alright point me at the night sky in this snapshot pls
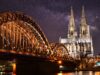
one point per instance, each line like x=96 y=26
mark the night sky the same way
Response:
x=53 y=15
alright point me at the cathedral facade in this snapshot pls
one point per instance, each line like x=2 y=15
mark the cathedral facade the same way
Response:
x=79 y=43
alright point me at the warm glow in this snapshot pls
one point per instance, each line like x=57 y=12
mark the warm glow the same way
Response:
x=64 y=73
x=59 y=74
x=63 y=40
x=59 y=62
x=61 y=66
x=97 y=73
x=14 y=67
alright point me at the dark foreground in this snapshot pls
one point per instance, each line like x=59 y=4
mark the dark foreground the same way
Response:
x=28 y=65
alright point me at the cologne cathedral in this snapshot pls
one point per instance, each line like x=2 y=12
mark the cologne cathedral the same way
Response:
x=79 y=43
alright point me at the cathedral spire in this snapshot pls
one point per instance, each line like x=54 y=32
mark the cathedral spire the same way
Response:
x=84 y=28
x=83 y=19
x=71 y=26
x=71 y=21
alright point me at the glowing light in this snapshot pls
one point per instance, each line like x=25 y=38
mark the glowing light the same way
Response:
x=65 y=73
x=61 y=66
x=59 y=62
x=98 y=63
x=63 y=40
x=97 y=73
x=60 y=73
x=14 y=68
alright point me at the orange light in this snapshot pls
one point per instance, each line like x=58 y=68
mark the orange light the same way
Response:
x=59 y=62
x=60 y=74
x=97 y=73
x=14 y=68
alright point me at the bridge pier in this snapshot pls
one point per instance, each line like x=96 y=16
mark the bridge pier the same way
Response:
x=29 y=65
x=37 y=66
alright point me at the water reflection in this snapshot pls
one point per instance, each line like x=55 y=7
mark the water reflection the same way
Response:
x=97 y=73
x=80 y=73
x=65 y=74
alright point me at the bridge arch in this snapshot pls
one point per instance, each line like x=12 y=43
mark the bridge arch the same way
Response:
x=19 y=33
x=59 y=50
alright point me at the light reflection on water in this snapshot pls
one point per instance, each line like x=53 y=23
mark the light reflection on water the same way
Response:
x=80 y=73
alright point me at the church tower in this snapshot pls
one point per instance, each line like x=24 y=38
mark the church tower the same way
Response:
x=78 y=45
x=84 y=28
x=86 y=46
x=71 y=26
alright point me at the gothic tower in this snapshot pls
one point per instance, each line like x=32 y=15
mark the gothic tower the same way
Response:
x=81 y=44
x=84 y=28
x=86 y=46
x=71 y=27
x=72 y=34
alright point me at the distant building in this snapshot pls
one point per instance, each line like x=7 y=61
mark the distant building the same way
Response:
x=78 y=44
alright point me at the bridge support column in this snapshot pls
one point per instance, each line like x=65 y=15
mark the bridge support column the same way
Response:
x=35 y=67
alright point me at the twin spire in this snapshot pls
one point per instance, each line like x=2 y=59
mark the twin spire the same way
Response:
x=83 y=19
x=72 y=22
x=71 y=26
x=84 y=28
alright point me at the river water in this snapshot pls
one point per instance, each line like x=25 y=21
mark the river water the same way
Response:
x=80 y=73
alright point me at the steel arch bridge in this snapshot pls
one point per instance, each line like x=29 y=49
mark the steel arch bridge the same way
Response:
x=20 y=34
x=60 y=52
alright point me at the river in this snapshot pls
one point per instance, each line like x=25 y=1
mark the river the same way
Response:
x=80 y=73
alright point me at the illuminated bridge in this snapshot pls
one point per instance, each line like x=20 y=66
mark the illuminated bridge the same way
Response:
x=20 y=35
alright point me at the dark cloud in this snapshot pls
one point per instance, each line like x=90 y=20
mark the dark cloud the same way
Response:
x=52 y=23
x=52 y=15
x=95 y=31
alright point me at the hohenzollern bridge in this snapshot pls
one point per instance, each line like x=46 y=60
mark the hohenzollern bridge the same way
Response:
x=21 y=35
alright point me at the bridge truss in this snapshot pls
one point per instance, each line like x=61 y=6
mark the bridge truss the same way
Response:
x=19 y=34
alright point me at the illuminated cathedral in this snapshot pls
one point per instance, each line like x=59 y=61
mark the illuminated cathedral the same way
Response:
x=79 y=43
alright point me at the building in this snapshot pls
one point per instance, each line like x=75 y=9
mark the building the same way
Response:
x=79 y=43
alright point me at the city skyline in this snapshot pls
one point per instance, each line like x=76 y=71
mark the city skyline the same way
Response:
x=53 y=15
